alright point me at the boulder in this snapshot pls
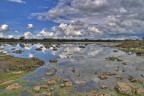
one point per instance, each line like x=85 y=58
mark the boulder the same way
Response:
x=139 y=91
x=37 y=88
x=123 y=88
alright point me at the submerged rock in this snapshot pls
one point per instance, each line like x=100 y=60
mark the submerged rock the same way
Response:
x=39 y=49
x=14 y=86
x=123 y=88
x=53 y=60
x=106 y=75
x=132 y=79
x=18 y=51
x=113 y=59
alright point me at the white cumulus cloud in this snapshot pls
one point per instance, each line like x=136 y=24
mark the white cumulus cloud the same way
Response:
x=30 y=26
x=17 y=1
x=4 y=28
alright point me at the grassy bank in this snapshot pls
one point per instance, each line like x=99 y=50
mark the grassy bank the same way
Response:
x=132 y=46
x=12 y=68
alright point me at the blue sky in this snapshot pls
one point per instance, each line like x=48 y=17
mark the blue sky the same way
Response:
x=92 y=19
x=17 y=15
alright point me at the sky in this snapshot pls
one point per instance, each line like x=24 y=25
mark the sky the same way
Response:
x=72 y=19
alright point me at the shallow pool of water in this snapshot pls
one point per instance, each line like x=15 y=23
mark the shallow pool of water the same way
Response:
x=79 y=63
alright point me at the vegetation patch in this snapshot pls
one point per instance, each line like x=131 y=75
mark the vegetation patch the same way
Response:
x=132 y=46
x=12 y=67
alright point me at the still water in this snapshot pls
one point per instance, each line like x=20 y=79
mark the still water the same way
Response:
x=79 y=63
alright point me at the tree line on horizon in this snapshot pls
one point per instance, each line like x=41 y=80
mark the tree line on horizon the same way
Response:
x=23 y=39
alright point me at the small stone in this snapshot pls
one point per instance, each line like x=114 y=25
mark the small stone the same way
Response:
x=68 y=84
x=102 y=94
x=104 y=87
x=90 y=94
x=73 y=70
x=103 y=77
x=124 y=63
x=14 y=86
x=119 y=77
x=123 y=88
x=132 y=79
x=65 y=80
x=46 y=94
x=44 y=87
x=51 y=82
x=80 y=82
x=50 y=73
x=62 y=85
x=53 y=60
x=51 y=89
x=139 y=91
x=115 y=51
x=117 y=68
x=37 y=88
x=57 y=79
x=19 y=72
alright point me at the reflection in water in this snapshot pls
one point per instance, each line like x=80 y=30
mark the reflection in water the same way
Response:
x=80 y=63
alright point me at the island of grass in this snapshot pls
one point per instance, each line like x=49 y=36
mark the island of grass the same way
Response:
x=12 y=68
x=135 y=46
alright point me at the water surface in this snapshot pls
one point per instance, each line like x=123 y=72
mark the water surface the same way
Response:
x=79 y=63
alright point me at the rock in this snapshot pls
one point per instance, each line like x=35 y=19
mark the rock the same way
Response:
x=53 y=60
x=18 y=51
x=51 y=82
x=116 y=68
x=119 y=77
x=139 y=53
x=62 y=85
x=80 y=82
x=73 y=70
x=104 y=87
x=123 y=88
x=68 y=84
x=44 y=86
x=51 y=89
x=139 y=91
x=50 y=73
x=103 y=77
x=102 y=94
x=106 y=75
x=37 y=88
x=65 y=80
x=124 y=63
x=81 y=46
x=39 y=49
x=14 y=86
x=113 y=59
x=57 y=79
x=115 y=51
x=7 y=82
x=131 y=78
x=90 y=94
x=19 y=72
x=46 y=94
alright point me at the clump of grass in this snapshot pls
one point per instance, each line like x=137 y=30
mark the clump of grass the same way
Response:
x=10 y=66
